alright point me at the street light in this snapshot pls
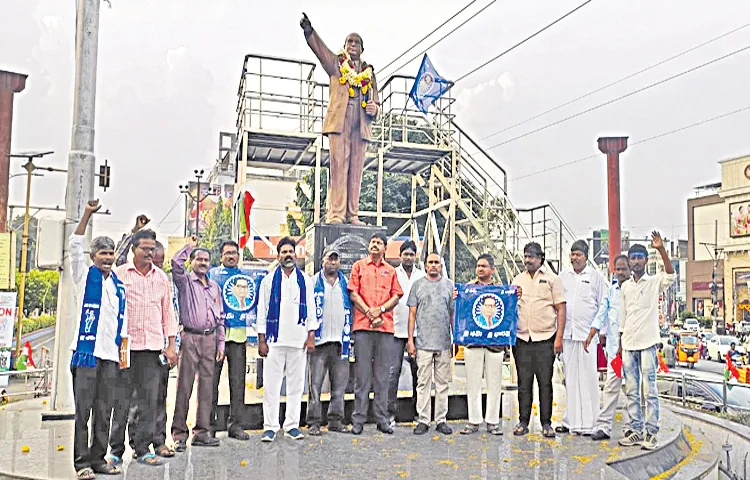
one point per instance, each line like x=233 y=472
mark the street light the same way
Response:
x=29 y=167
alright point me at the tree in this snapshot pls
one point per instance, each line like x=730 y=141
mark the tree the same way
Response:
x=218 y=229
x=40 y=290
x=17 y=226
x=294 y=230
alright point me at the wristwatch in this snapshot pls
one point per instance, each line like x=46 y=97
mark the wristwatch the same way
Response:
x=382 y=309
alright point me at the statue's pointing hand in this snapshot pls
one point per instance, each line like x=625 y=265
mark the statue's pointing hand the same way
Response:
x=305 y=24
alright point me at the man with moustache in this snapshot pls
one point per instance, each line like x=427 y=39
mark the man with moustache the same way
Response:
x=286 y=326
x=607 y=326
x=202 y=345
x=431 y=307
x=585 y=290
x=151 y=325
x=235 y=347
x=375 y=291
x=407 y=274
x=97 y=354
x=333 y=310
x=541 y=324
x=640 y=334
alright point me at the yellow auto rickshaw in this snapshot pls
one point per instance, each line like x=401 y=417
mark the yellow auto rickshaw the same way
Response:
x=688 y=349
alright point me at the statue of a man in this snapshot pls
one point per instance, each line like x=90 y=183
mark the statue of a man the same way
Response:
x=352 y=107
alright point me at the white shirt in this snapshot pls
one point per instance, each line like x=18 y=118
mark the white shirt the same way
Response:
x=584 y=293
x=639 y=322
x=333 y=312
x=106 y=330
x=401 y=312
x=290 y=333
x=607 y=319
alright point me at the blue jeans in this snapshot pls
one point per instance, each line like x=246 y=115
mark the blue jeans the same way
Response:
x=637 y=363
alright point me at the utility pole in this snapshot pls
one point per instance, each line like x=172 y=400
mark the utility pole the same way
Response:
x=185 y=190
x=29 y=167
x=79 y=190
x=198 y=176
x=714 y=283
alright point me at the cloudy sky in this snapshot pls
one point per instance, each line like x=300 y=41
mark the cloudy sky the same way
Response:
x=169 y=70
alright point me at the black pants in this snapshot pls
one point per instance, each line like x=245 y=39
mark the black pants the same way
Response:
x=160 y=428
x=373 y=352
x=235 y=355
x=142 y=381
x=93 y=395
x=124 y=399
x=326 y=358
x=535 y=359
x=399 y=347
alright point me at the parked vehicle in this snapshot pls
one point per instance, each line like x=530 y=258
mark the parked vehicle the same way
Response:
x=691 y=325
x=719 y=346
x=708 y=395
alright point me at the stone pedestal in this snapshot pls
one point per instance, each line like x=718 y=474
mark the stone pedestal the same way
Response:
x=350 y=240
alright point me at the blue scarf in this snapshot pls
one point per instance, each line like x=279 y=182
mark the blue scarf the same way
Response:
x=320 y=294
x=274 y=304
x=89 y=323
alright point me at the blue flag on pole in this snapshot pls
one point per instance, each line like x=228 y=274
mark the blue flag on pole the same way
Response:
x=486 y=315
x=428 y=86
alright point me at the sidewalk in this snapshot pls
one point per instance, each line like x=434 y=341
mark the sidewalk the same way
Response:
x=371 y=455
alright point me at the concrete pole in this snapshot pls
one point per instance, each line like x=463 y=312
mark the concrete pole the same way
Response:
x=612 y=147
x=79 y=190
x=10 y=84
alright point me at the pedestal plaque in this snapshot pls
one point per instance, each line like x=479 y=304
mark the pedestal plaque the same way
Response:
x=350 y=240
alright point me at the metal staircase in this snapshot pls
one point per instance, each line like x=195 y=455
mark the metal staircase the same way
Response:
x=279 y=123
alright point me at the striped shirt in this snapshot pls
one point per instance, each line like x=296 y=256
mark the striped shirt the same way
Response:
x=151 y=316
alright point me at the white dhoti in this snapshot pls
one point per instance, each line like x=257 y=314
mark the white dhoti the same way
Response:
x=279 y=359
x=581 y=387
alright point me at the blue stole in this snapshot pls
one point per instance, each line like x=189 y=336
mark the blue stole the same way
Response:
x=274 y=304
x=89 y=323
x=320 y=294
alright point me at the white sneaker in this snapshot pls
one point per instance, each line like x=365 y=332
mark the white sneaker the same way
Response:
x=649 y=442
x=631 y=439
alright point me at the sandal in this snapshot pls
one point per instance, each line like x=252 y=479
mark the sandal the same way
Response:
x=107 y=469
x=86 y=474
x=164 y=451
x=494 y=429
x=114 y=460
x=548 y=432
x=148 y=459
x=520 y=429
x=469 y=429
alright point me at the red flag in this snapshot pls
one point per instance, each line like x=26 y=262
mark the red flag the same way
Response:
x=246 y=205
x=617 y=366
x=662 y=364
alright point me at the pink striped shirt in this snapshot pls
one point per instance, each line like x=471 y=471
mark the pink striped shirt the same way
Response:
x=151 y=316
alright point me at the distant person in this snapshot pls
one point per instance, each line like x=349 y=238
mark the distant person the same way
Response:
x=670 y=355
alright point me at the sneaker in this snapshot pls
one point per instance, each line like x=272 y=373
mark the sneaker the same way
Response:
x=392 y=421
x=631 y=438
x=268 y=436
x=421 y=429
x=443 y=428
x=649 y=442
x=599 y=435
x=294 y=434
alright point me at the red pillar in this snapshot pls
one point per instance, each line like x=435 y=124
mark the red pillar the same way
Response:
x=10 y=84
x=613 y=146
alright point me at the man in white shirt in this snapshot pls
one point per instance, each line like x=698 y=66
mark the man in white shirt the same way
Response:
x=97 y=345
x=286 y=325
x=333 y=313
x=640 y=334
x=607 y=326
x=585 y=290
x=407 y=274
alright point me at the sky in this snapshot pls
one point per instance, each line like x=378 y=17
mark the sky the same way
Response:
x=168 y=74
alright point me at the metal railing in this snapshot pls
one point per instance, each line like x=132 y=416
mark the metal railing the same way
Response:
x=40 y=387
x=685 y=400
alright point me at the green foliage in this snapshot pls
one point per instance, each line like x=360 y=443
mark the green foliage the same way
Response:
x=218 y=229
x=34 y=324
x=294 y=229
x=17 y=226
x=247 y=255
x=40 y=290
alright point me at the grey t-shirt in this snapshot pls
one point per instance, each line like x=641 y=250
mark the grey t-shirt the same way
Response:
x=435 y=304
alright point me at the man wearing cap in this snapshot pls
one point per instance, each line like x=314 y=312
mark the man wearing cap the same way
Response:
x=585 y=289
x=332 y=343
x=639 y=329
x=541 y=323
x=375 y=291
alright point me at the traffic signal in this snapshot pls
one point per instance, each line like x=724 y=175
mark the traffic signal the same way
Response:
x=104 y=176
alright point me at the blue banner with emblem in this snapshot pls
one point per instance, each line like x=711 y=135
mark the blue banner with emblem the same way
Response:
x=239 y=291
x=486 y=315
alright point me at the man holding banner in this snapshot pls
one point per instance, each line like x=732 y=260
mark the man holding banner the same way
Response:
x=585 y=290
x=333 y=310
x=541 y=323
x=431 y=309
